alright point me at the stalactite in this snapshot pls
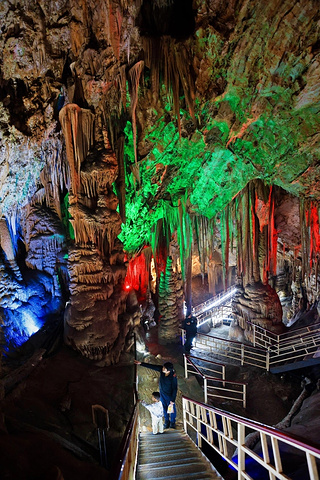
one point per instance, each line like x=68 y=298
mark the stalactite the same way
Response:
x=203 y=228
x=123 y=87
x=138 y=274
x=170 y=304
x=6 y=241
x=135 y=74
x=225 y=243
x=305 y=242
x=121 y=182
x=152 y=53
x=77 y=126
x=171 y=59
x=13 y=220
x=114 y=28
x=247 y=254
x=273 y=240
x=184 y=233
x=236 y=216
x=54 y=177
x=314 y=234
x=254 y=186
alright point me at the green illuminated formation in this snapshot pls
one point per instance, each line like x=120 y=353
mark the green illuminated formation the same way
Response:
x=244 y=115
x=214 y=164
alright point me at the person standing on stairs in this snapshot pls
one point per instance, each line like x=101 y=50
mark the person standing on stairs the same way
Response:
x=168 y=386
x=190 y=326
x=156 y=410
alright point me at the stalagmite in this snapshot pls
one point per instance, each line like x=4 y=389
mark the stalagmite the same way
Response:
x=95 y=323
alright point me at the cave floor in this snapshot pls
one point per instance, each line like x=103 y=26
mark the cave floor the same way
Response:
x=48 y=428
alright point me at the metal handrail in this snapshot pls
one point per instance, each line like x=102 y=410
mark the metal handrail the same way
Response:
x=126 y=462
x=125 y=466
x=232 y=389
x=266 y=337
x=226 y=433
x=213 y=299
x=215 y=314
x=227 y=386
x=309 y=346
x=259 y=356
x=231 y=349
x=188 y=359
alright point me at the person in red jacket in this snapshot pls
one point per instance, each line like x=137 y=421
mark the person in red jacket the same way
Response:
x=168 y=386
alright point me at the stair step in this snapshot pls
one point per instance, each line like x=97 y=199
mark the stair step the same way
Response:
x=172 y=456
x=159 y=471
x=167 y=433
x=167 y=446
x=182 y=476
x=165 y=462
x=145 y=457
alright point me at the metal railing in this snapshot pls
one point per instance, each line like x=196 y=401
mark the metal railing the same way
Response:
x=257 y=356
x=125 y=468
x=219 y=369
x=214 y=386
x=216 y=315
x=265 y=338
x=292 y=352
x=214 y=301
x=233 y=350
x=125 y=465
x=277 y=455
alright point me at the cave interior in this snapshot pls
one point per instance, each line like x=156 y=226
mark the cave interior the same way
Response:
x=153 y=153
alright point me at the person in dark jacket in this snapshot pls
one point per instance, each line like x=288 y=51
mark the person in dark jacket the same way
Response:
x=190 y=326
x=168 y=386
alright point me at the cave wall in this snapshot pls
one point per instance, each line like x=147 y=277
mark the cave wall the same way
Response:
x=198 y=100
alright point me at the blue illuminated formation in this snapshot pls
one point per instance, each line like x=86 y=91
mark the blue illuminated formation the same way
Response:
x=18 y=326
x=30 y=323
x=35 y=303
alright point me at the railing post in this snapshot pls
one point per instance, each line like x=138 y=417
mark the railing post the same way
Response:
x=254 y=336
x=242 y=354
x=184 y=411
x=185 y=366
x=198 y=426
x=268 y=359
x=244 y=396
x=205 y=387
x=241 y=454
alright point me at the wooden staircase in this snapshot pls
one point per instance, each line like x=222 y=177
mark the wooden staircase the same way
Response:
x=172 y=455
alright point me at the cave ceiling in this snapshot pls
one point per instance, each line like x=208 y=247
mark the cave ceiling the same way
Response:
x=198 y=98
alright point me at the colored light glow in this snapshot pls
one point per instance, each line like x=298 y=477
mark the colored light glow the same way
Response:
x=29 y=323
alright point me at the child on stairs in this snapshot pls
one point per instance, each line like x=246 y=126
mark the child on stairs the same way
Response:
x=156 y=410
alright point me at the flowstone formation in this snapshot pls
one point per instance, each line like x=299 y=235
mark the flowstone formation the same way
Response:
x=95 y=323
